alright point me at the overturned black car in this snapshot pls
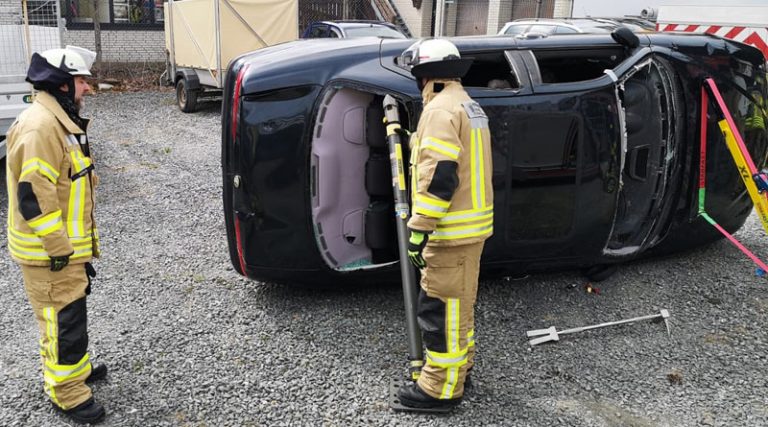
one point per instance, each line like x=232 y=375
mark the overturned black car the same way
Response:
x=595 y=151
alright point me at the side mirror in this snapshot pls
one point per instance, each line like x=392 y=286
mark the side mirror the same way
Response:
x=625 y=37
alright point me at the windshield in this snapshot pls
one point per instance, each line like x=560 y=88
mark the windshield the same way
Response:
x=376 y=31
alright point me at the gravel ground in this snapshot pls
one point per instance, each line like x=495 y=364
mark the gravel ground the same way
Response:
x=191 y=343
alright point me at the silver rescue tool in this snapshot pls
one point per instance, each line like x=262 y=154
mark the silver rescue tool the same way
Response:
x=541 y=336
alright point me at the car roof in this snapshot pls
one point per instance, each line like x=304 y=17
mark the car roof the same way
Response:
x=358 y=23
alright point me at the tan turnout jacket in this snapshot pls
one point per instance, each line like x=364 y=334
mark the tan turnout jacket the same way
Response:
x=451 y=169
x=50 y=184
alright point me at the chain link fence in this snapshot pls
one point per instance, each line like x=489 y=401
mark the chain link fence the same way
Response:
x=336 y=10
x=26 y=27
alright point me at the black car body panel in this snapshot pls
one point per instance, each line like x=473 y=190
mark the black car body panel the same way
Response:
x=590 y=167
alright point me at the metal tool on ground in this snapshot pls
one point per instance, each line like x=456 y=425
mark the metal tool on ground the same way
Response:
x=541 y=336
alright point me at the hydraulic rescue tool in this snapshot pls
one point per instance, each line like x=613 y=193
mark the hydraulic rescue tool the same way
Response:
x=754 y=180
x=407 y=272
x=540 y=336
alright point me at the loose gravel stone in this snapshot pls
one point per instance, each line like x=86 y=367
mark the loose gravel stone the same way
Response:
x=190 y=342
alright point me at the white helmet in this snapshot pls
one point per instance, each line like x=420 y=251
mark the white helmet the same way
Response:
x=435 y=58
x=74 y=60
x=55 y=67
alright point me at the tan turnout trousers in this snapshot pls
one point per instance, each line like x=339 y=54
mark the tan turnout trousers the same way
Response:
x=58 y=300
x=446 y=316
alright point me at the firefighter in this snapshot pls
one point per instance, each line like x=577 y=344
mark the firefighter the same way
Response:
x=51 y=231
x=452 y=216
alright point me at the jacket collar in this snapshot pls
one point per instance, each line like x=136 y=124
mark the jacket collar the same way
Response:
x=51 y=104
x=428 y=93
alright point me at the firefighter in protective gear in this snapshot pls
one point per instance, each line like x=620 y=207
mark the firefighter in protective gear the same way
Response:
x=51 y=230
x=452 y=216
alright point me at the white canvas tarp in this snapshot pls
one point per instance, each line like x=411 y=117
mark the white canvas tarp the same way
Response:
x=244 y=25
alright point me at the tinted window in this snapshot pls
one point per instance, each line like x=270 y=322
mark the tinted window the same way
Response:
x=319 y=31
x=376 y=31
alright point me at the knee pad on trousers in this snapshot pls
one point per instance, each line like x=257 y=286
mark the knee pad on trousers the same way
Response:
x=431 y=318
x=73 y=332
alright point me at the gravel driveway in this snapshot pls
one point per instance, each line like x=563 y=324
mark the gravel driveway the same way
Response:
x=191 y=343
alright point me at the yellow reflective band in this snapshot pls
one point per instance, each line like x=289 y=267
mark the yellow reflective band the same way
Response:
x=464 y=231
x=471 y=338
x=440 y=146
x=24 y=236
x=56 y=374
x=467 y=216
x=47 y=224
x=480 y=169
x=49 y=314
x=76 y=208
x=24 y=243
x=477 y=170
x=452 y=328
x=38 y=164
x=451 y=379
x=431 y=207
x=759 y=200
x=446 y=360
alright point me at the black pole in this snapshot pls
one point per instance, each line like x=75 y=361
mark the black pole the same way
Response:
x=402 y=212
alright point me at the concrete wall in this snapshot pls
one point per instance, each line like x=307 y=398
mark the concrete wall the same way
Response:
x=562 y=9
x=419 y=21
x=122 y=45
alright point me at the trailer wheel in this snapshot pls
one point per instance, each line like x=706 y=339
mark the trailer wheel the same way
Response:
x=185 y=97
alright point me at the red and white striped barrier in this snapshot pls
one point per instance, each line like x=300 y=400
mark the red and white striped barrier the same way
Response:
x=755 y=36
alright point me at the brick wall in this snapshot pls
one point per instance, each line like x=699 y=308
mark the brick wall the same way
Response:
x=122 y=45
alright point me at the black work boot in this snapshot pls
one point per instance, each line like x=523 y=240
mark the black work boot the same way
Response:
x=98 y=372
x=412 y=395
x=88 y=412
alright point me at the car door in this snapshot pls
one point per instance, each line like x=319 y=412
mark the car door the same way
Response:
x=556 y=165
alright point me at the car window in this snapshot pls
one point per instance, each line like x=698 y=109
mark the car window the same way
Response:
x=564 y=30
x=319 y=31
x=543 y=29
x=516 y=29
x=334 y=33
x=374 y=30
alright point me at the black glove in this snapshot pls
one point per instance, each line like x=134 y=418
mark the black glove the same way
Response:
x=89 y=270
x=416 y=244
x=59 y=262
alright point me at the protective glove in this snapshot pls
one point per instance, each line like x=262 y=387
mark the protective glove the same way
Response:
x=416 y=244
x=59 y=262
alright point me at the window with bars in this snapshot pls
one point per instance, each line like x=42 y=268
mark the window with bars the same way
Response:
x=118 y=14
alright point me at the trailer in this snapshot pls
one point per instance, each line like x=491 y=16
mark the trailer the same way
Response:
x=203 y=36
x=745 y=24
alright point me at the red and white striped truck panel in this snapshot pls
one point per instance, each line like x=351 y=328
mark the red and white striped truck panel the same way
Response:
x=755 y=36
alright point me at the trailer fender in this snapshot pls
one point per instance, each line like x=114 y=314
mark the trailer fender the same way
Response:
x=193 y=82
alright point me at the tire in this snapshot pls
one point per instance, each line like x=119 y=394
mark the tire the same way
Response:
x=186 y=98
x=600 y=272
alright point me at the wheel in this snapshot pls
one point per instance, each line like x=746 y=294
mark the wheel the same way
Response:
x=186 y=98
x=599 y=272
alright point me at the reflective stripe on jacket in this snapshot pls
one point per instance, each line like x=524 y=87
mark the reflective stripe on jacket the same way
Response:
x=50 y=185
x=451 y=168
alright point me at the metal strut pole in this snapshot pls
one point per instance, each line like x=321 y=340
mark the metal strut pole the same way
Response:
x=402 y=212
